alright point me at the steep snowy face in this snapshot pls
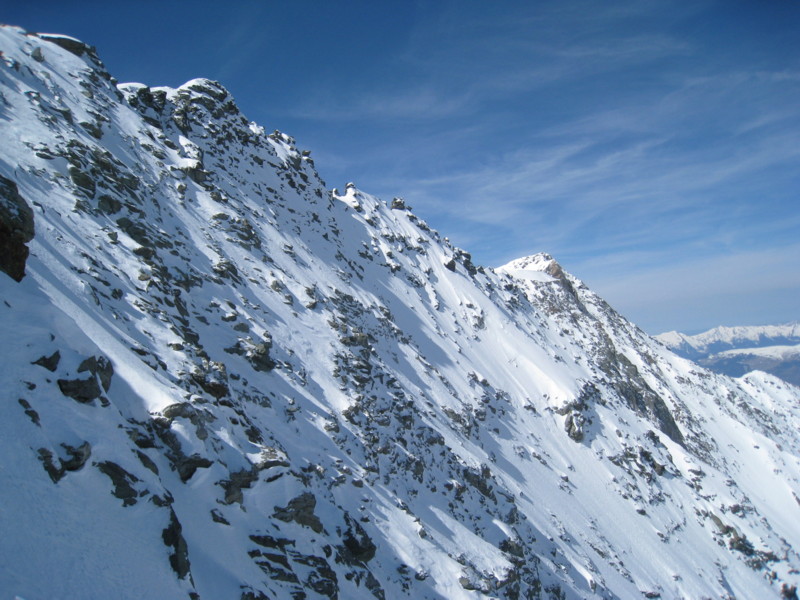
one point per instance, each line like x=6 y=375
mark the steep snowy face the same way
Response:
x=225 y=381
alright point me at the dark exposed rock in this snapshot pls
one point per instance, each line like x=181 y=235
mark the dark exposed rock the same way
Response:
x=573 y=425
x=258 y=356
x=322 y=579
x=77 y=459
x=634 y=390
x=479 y=480
x=179 y=409
x=108 y=204
x=301 y=511
x=251 y=594
x=49 y=362
x=358 y=546
x=136 y=231
x=72 y=45
x=162 y=501
x=81 y=390
x=16 y=230
x=100 y=366
x=217 y=517
x=32 y=414
x=78 y=456
x=198 y=417
x=213 y=378
x=147 y=462
x=122 y=481
x=141 y=439
x=188 y=465
x=46 y=457
x=238 y=480
x=374 y=586
x=267 y=541
x=271 y=457
x=173 y=538
x=83 y=181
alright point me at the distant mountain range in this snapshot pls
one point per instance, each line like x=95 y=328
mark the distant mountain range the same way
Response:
x=736 y=351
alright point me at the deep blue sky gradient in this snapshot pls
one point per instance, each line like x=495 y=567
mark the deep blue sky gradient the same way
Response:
x=653 y=147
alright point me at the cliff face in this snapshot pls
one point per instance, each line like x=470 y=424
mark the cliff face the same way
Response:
x=225 y=381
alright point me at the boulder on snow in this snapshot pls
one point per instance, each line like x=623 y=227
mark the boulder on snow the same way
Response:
x=81 y=390
x=301 y=511
x=49 y=362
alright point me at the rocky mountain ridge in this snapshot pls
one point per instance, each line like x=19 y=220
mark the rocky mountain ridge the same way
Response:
x=225 y=381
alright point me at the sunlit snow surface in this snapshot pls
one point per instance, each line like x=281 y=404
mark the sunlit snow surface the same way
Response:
x=408 y=434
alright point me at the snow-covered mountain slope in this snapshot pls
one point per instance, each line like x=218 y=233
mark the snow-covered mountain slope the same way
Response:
x=224 y=381
x=735 y=351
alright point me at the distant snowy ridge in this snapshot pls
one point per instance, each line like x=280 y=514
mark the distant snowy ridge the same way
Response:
x=735 y=351
x=224 y=380
x=724 y=338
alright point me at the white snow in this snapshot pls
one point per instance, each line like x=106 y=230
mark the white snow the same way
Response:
x=425 y=409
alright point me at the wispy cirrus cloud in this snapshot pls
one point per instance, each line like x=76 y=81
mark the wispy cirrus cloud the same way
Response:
x=420 y=102
x=583 y=130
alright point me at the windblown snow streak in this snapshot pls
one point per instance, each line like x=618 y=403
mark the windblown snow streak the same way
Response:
x=224 y=381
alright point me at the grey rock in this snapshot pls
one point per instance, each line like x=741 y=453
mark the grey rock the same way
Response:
x=78 y=456
x=147 y=462
x=189 y=465
x=49 y=362
x=573 y=425
x=258 y=356
x=72 y=45
x=109 y=205
x=212 y=378
x=16 y=230
x=239 y=480
x=301 y=511
x=173 y=538
x=81 y=390
x=83 y=181
x=32 y=414
x=121 y=480
x=271 y=457
x=100 y=366
x=46 y=458
x=358 y=546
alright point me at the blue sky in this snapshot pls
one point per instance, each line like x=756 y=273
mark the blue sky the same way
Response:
x=652 y=147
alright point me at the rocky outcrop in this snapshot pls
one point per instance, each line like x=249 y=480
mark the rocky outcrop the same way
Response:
x=16 y=230
x=301 y=511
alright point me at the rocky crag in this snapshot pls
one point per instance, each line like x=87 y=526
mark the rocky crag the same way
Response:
x=223 y=380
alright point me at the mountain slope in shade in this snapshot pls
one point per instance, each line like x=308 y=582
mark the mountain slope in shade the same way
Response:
x=224 y=381
x=736 y=351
